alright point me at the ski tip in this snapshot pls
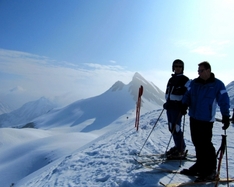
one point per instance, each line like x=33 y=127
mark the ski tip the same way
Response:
x=137 y=154
x=162 y=184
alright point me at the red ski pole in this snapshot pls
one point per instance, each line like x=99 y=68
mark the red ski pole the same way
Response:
x=138 y=107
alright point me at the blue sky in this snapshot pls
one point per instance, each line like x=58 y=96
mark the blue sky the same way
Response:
x=78 y=48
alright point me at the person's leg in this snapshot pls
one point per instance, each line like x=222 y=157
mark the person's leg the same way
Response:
x=201 y=134
x=170 y=128
x=175 y=128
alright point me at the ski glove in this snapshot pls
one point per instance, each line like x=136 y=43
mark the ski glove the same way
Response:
x=165 y=106
x=183 y=109
x=226 y=122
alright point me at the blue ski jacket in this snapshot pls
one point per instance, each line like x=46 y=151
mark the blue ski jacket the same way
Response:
x=203 y=96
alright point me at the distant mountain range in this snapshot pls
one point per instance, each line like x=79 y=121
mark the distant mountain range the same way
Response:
x=26 y=113
x=100 y=111
x=93 y=113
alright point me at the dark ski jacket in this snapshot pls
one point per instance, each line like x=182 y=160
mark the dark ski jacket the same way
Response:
x=203 y=96
x=175 y=90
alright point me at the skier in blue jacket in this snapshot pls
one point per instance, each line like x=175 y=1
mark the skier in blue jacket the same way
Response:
x=202 y=97
x=174 y=94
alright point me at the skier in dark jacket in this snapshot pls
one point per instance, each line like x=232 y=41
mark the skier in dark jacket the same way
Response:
x=202 y=97
x=174 y=94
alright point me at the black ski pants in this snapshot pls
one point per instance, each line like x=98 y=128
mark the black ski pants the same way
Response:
x=201 y=134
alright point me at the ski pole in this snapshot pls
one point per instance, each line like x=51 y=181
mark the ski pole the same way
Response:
x=221 y=153
x=182 y=138
x=168 y=143
x=219 y=120
x=226 y=159
x=151 y=131
x=138 y=107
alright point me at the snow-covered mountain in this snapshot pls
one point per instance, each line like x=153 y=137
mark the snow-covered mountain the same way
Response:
x=26 y=113
x=230 y=90
x=100 y=111
x=4 y=108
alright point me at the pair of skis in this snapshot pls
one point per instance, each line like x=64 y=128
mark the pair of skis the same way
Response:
x=153 y=159
x=191 y=183
x=188 y=183
x=149 y=161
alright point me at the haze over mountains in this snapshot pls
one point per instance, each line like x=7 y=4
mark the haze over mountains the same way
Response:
x=119 y=100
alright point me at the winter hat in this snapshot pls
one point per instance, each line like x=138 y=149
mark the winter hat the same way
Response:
x=177 y=61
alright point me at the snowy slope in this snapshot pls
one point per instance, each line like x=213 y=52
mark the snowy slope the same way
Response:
x=108 y=161
x=24 y=151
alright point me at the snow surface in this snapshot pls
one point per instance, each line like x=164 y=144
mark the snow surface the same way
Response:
x=46 y=158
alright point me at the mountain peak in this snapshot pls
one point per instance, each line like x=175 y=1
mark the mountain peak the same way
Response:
x=42 y=98
x=117 y=86
x=137 y=76
x=151 y=92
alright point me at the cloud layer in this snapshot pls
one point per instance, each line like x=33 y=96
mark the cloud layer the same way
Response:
x=37 y=76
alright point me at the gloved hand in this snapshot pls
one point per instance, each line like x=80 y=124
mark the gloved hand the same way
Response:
x=183 y=110
x=226 y=122
x=165 y=106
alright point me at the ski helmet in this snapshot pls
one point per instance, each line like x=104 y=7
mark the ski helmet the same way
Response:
x=177 y=61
